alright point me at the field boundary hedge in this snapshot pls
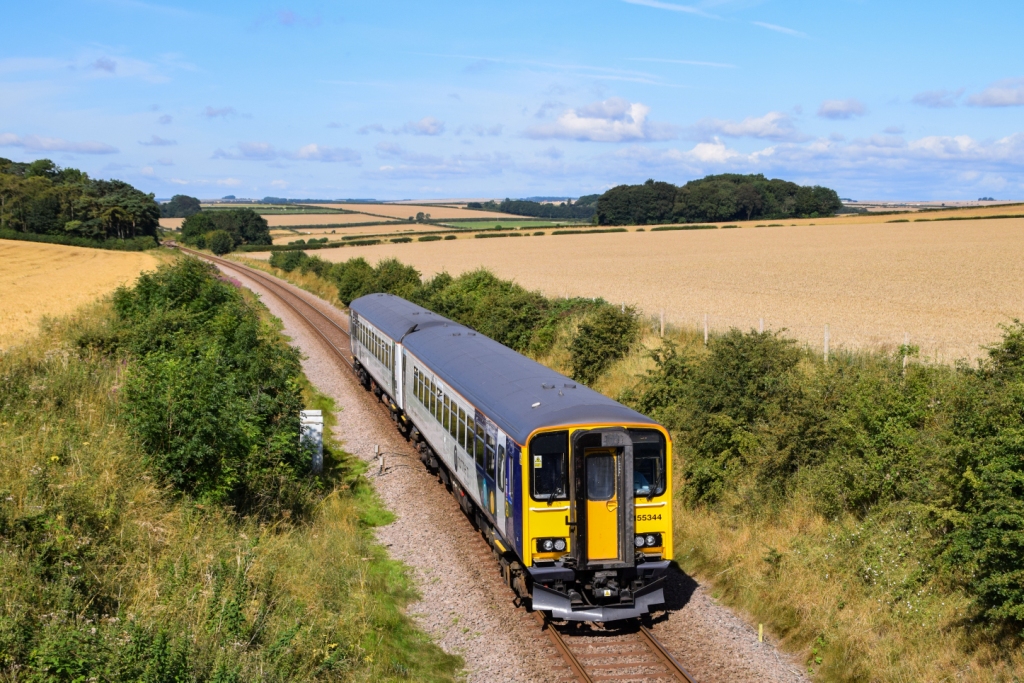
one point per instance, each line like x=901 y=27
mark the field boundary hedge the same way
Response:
x=132 y=244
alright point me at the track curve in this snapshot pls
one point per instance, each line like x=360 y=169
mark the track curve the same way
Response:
x=622 y=652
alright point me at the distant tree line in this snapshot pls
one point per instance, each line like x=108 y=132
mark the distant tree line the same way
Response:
x=222 y=231
x=726 y=197
x=41 y=198
x=582 y=209
x=180 y=206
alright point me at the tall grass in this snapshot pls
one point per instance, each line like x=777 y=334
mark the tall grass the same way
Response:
x=107 y=575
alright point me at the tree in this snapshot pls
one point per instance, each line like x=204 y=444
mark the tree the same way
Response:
x=220 y=242
x=195 y=226
x=180 y=206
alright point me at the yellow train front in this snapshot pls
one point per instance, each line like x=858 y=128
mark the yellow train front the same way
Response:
x=572 y=489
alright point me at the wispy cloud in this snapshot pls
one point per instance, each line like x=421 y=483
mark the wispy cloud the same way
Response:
x=157 y=141
x=937 y=99
x=215 y=112
x=687 y=62
x=36 y=143
x=774 y=125
x=612 y=120
x=371 y=128
x=428 y=125
x=165 y=119
x=841 y=109
x=1005 y=93
x=597 y=72
x=672 y=7
x=780 y=29
x=264 y=151
x=104 y=64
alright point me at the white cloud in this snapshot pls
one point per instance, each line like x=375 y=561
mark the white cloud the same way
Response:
x=36 y=143
x=371 y=128
x=314 y=152
x=612 y=120
x=774 y=125
x=428 y=125
x=264 y=151
x=1006 y=93
x=937 y=99
x=780 y=29
x=157 y=141
x=672 y=7
x=841 y=109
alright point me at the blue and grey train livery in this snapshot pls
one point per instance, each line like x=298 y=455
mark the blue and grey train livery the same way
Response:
x=572 y=489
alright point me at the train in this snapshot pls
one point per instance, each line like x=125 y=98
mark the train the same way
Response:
x=572 y=490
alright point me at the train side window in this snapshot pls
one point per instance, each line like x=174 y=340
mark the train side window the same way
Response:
x=648 y=462
x=501 y=468
x=490 y=460
x=480 y=444
x=462 y=427
x=453 y=420
x=469 y=436
x=433 y=398
x=445 y=413
x=549 y=466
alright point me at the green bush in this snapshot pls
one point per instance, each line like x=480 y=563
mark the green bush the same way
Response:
x=450 y=237
x=429 y=238
x=401 y=240
x=288 y=260
x=930 y=450
x=604 y=336
x=220 y=242
x=213 y=397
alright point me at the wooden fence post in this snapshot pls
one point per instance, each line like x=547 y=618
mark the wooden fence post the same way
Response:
x=760 y=325
x=705 y=329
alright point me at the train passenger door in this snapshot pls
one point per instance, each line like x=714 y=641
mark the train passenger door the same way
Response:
x=399 y=376
x=603 y=467
x=500 y=510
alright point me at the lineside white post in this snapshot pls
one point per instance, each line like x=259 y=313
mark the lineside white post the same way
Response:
x=311 y=436
x=663 y=322
x=760 y=325
x=705 y=329
x=826 y=342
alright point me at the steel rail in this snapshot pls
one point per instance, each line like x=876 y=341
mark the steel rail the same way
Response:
x=563 y=649
x=665 y=656
x=277 y=290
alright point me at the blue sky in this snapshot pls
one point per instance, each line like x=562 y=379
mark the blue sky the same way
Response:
x=392 y=100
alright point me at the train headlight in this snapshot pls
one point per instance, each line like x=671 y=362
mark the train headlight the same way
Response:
x=551 y=545
x=647 y=541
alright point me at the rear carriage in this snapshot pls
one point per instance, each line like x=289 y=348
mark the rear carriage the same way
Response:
x=572 y=489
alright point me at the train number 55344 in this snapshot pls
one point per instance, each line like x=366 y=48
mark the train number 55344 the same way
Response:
x=649 y=518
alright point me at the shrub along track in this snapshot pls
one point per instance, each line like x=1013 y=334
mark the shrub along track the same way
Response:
x=555 y=652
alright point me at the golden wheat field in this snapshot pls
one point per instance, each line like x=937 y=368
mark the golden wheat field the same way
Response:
x=49 y=279
x=947 y=284
x=405 y=210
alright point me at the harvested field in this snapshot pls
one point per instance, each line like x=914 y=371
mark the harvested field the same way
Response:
x=284 y=237
x=406 y=210
x=948 y=284
x=320 y=219
x=49 y=279
x=171 y=223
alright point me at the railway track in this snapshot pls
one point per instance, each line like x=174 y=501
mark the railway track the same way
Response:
x=622 y=652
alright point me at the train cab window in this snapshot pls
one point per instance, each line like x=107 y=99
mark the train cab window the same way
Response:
x=479 y=444
x=462 y=427
x=490 y=459
x=549 y=466
x=648 y=462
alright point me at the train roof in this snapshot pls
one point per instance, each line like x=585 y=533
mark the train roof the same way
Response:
x=503 y=384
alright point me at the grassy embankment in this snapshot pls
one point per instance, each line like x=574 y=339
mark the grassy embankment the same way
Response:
x=156 y=516
x=868 y=510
